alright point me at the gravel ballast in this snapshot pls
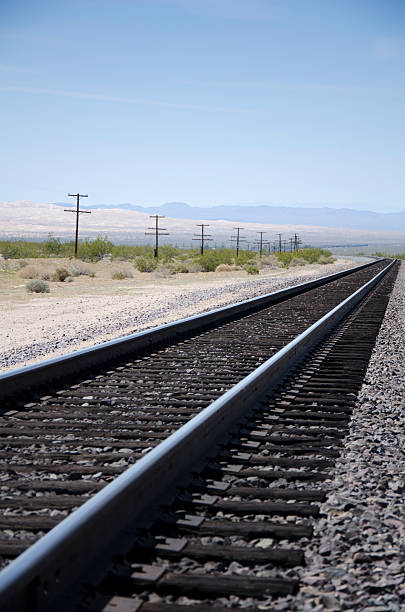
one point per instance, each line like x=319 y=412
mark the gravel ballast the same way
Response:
x=356 y=560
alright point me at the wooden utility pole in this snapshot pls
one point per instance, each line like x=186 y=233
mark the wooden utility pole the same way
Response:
x=157 y=232
x=77 y=213
x=260 y=242
x=202 y=237
x=297 y=242
x=238 y=239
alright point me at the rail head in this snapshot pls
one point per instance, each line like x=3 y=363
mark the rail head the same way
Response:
x=22 y=379
x=38 y=579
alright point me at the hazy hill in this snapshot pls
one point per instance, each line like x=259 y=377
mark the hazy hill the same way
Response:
x=284 y=215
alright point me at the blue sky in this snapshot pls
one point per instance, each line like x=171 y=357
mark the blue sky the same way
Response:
x=204 y=101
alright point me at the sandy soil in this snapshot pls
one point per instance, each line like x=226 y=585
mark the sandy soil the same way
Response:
x=88 y=310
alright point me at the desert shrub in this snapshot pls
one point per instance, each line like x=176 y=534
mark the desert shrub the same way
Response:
x=167 y=253
x=165 y=270
x=81 y=270
x=60 y=275
x=252 y=269
x=46 y=275
x=382 y=254
x=271 y=261
x=224 y=268
x=194 y=267
x=37 y=286
x=181 y=268
x=94 y=250
x=130 y=252
x=324 y=259
x=298 y=261
x=18 y=249
x=52 y=246
x=211 y=259
x=121 y=274
x=310 y=255
x=245 y=257
x=144 y=264
x=69 y=279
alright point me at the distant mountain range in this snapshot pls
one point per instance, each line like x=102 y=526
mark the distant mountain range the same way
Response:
x=324 y=217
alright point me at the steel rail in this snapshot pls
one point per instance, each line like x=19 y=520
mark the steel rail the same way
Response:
x=21 y=379
x=38 y=579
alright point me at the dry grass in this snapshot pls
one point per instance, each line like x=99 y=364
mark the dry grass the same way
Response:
x=225 y=268
x=36 y=271
x=121 y=274
x=298 y=261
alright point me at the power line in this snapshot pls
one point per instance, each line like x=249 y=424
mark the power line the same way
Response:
x=157 y=232
x=77 y=213
x=201 y=237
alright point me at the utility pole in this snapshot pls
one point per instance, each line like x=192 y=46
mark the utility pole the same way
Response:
x=297 y=242
x=157 y=232
x=291 y=244
x=279 y=242
x=260 y=243
x=238 y=239
x=77 y=213
x=202 y=237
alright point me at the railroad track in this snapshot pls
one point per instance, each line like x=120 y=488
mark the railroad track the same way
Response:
x=216 y=540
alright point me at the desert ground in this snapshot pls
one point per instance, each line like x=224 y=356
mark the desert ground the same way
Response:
x=89 y=310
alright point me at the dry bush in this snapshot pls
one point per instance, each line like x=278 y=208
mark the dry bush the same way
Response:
x=325 y=259
x=165 y=271
x=80 y=269
x=32 y=271
x=46 y=274
x=121 y=274
x=252 y=269
x=181 y=269
x=224 y=268
x=194 y=267
x=298 y=261
x=144 y=264
x=29 y=272
x=60 y=275
x=271 y=261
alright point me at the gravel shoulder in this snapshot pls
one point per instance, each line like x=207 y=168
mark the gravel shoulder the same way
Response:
x=357 y=556
x=37 y=327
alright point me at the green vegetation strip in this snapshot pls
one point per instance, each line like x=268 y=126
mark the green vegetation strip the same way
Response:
x=171 y=260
